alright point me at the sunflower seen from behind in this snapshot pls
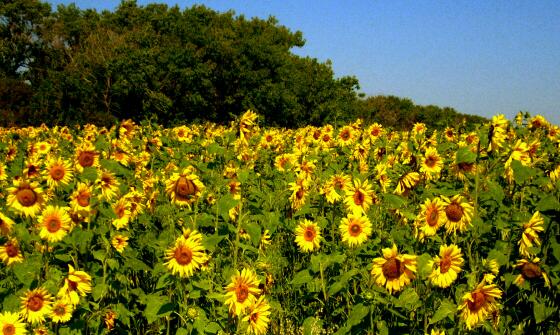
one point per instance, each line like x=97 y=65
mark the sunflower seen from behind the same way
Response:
x=308 y=236
x=446 y=266
x=242 y=291
x=394 y=270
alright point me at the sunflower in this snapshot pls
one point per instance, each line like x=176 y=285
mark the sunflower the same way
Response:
x=359 y=197
x=54 y=223
x=538 y=122
x=335 y=184
x=119 y=242
x=242 y=291
x=3 y=174
x=300 y=190
x=418 y=128
x=447 y=266
x=80 y=200
x=26 y=198
x=11 y=324
x=308 y=236
x=530 y=237
x=35 y=305
x=186 y=255
x=6 y=225
x=10 y=252
x=497 y=134
x=61 y=311
x=479 y=304
x=458 y=213
x=248 y=125
x=86 y=156
x=108 y=184
x=432 y=164
x=184 y=188
x=78 y=283
x=58 y=172
x=449 y=134
x=122 y=212
x=258 y=317
x=382 y=177
x=32 y=168
x=530 y=270
x=355 y=229
x=346 y=136
x=430 y=218
x=393 y=270
x=374 y=131
x=407 y=182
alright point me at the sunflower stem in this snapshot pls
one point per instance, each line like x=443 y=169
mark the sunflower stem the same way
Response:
x=323 y=282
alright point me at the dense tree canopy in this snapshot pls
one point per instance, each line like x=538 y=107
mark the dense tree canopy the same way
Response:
x=168 y=65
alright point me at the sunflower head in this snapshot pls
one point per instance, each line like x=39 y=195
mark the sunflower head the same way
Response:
x=394 y=270
x=308 y=236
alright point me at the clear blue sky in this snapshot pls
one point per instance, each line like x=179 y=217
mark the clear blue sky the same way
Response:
x=480 y=57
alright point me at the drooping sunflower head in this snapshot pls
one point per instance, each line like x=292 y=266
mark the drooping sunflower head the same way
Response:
x=26 y=198
x=479 y=304
x=530 y=270
x=242 y=291
x=308 y=236
x=355 y=229
x=35 y=305
x=530 y=237
x=394 y=270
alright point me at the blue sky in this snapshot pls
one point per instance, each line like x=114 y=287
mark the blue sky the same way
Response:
x=479 y=57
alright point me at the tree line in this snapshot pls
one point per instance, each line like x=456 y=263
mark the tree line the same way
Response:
x=172 y=66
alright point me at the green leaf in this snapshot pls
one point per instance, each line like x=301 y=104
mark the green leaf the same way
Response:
x=342 y=282
x=446 y=309
x=464 y=155
x=548 y=203
x=310 y=324
x=157 y=306
x=542 y=312
x=254 y=231
x=89 y=173
x=324 y=261
x=211 y=242
x=522 y=173
x=98 y=291
x=357 y=314
x=212 y=328
x=408 y=299
x=394 y=201
x=301 y=278
x=224 y=204
x=424 y=268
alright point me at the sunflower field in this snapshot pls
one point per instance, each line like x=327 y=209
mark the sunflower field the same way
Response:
x=247 y=229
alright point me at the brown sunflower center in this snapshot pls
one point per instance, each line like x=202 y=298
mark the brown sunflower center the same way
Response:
x=354 y=228
x=254 y=317
x=478 y=300
x=59 y=310
x=72 y=285
x=317 y=134
x=392 y=269
x=83 y=199
x=86 y=158
x=11 y=250
x=32 y=171
x=345 y=135
x=309 y=234
x=26 y=196
x=268 y=138
x=185 y=187
x=359 y=198
x=445 y=264
x=431 y=161
x=242 y=292
x=183 y=255
x=35 y=303
x=53 y=225
x=8 y=329
x=454 y=212
x=465 y=167
x=375 y=131
x=531 y=271
x=326 y=138
x=57 y=172
x=300 y=193
x=432 y=216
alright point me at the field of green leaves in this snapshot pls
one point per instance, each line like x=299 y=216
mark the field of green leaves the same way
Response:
x=212 y=229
